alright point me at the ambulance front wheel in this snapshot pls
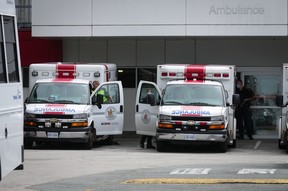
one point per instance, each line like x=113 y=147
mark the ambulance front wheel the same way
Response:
x=89 y=143
x=161 y=146
x=222 y=147
x=28 y=144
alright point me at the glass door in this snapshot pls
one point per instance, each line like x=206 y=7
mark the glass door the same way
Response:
x=266 y=84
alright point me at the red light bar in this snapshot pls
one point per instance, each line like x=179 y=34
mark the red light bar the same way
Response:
x=218 y=75
x=172 y=74
x=226 y=75
x=195 y=72
x=164 y=74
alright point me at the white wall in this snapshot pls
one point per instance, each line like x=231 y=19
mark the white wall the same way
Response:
x=126 y=18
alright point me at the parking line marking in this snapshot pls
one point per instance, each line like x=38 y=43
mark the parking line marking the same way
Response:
x=191 y=171
x=256 y=171
x=204 y=181
x=258 y=143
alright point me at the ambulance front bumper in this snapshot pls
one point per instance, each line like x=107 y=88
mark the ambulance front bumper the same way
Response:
x=191 y=137
x=69 y=136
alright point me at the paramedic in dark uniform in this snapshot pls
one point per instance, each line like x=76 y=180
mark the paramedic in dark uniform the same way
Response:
x=243 y=111
x=146 y=137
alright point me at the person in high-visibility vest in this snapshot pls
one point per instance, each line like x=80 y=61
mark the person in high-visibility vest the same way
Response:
x=102 y=91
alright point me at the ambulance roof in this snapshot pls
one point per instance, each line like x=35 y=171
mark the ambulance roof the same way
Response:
x=209 y=82
x=63 y=80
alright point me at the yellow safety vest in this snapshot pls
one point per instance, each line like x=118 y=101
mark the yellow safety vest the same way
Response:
x=102 y=92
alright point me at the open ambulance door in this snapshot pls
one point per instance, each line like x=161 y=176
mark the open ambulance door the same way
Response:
x=147 y=108
x=109 y=118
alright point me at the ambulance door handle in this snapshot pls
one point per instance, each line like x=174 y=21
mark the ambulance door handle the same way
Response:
x=6 y=133
x=137 y=108
x=121 y=108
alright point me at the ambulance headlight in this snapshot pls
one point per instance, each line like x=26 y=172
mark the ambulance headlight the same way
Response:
x=29 y=116
x=164 y=117
x=80 y=116
x=217 y=118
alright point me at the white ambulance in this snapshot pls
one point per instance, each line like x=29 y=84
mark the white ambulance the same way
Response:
x=190 y=103
x=62 y=105
x=283 y=120
x=11 y=86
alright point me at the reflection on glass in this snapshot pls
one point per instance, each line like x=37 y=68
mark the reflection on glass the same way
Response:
x=265 y=87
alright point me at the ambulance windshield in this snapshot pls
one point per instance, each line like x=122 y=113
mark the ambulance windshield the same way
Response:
x=62 y=93
x=193 y=94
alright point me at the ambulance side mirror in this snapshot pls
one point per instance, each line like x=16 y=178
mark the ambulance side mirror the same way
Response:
x=279 y=100
x=98 y=100
x=236 y=99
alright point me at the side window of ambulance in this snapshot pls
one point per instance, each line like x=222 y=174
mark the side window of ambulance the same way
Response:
x=111 y=93
x=148 y=89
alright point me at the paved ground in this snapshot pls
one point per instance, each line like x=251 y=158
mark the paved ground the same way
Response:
x=121 y=167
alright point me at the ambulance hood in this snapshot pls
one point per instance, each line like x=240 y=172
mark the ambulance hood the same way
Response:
x=58 y=109
x=192 y=110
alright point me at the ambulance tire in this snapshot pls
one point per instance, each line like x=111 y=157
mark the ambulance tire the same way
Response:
x=161 y=146
x=89 y=144
x=28 y=144
x=222 y=147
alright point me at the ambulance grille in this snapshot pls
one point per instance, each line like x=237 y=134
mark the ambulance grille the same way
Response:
x=190 y=118
x=44 y=116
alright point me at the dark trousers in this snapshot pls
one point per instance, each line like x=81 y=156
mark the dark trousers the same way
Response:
x=149 y=140
x=244 y=120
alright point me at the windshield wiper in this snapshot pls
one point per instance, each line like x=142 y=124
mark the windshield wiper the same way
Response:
x=173 y=102
x=201 y=104
x=64 y=101
x=39 y=101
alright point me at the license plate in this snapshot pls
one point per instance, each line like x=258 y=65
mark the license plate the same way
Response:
x=52 y=134
x=190 y=137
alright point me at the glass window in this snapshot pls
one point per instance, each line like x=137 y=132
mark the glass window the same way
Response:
x=3 y=78
x=110 y=92
x=208 y=95
x=146 y=90
x=265 y=87
x=62 y=93
x=147 y=74
x=11 y=49
x=127 y=77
